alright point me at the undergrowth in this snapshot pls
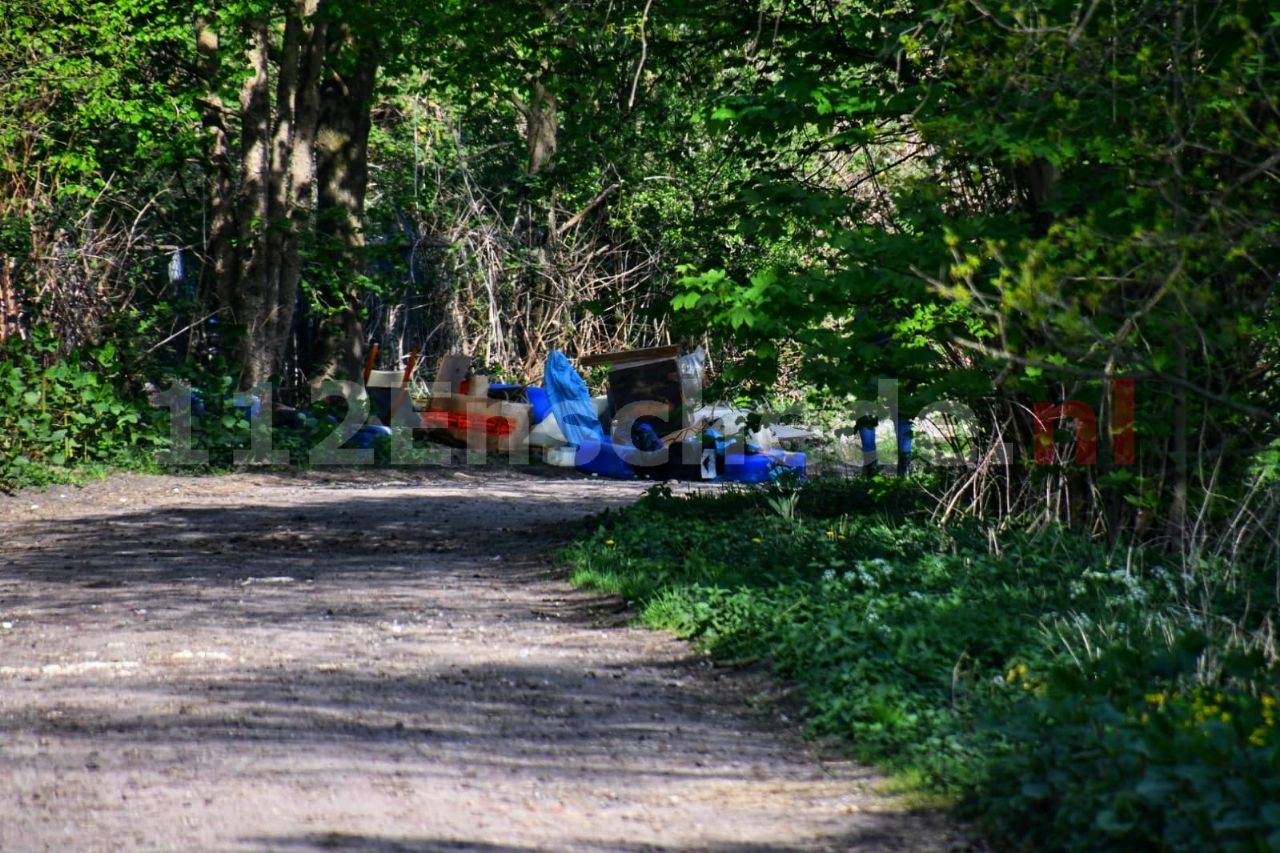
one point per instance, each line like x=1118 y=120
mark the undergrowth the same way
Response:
x=1067 y=696
x=70 y=416
x=66 y=417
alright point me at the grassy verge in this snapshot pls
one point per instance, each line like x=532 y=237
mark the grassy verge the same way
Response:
x=1068 y=697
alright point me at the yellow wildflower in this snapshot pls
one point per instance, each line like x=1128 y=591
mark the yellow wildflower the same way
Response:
x=1017 y=672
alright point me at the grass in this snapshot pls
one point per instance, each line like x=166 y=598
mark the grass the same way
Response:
x=1008 y=673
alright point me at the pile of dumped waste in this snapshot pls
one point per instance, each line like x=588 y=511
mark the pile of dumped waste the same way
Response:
x=650 y=423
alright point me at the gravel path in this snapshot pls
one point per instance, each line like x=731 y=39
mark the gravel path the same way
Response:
x=376 y=661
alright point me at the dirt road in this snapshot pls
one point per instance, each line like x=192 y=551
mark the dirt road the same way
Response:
x=374 y=662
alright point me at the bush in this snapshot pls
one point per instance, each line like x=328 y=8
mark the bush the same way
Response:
x=65 y=413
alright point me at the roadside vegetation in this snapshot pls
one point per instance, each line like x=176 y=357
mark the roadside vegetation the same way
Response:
x=70 y=415
x=1066 y=694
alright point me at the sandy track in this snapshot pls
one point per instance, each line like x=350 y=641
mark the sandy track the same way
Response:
x=374 y=662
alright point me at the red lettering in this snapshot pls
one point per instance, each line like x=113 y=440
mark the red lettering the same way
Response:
x=1086 y=422
x=1122 y=432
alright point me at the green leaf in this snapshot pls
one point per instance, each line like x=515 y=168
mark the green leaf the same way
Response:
x=686 y=301
x=1109 y=821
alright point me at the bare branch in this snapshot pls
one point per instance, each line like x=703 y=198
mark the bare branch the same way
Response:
x=591 y=205
x=644 y=54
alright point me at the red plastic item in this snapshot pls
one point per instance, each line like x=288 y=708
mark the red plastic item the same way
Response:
x=471 y=423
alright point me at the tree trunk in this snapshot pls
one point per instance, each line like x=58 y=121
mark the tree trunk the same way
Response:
x=1180 y=489
x=342 y=175
x=250 y=301
x=262 y=206
x=292 y=192
x=8 y=301
x=222 y=268
x=536 y=288
x=540 y=129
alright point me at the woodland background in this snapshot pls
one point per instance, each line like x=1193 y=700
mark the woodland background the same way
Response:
x=996 y=204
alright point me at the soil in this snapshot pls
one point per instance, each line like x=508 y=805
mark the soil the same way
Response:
x=378 y=661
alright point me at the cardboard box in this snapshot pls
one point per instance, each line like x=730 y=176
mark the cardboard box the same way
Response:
x=450 y=373
x=389 y=397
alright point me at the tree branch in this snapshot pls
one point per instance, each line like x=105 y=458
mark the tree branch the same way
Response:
x=591 y=205
x=644 y=54
x=1086 y=373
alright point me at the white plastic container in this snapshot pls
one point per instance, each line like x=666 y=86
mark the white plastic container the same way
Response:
x=560 y=456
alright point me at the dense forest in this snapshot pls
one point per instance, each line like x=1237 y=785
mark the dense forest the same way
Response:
x=1057 y=218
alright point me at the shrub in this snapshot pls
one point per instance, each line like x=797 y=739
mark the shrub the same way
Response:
x=67 y=413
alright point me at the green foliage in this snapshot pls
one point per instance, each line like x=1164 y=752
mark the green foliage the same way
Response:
x=1102 y=761
x=1015 y=671
x=87 y=100
x=998 y=205
x=817 y=113
x=61 y=414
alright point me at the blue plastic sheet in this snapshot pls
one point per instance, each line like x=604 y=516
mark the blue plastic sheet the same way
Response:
x=571 y=402
x=604 y=458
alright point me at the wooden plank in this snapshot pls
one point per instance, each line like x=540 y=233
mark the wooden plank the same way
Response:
x=624 y=356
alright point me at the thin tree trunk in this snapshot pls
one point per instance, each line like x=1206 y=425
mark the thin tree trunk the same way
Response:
x=342 y=178
x=251 y=299
x=292 y=178
x=8 y=302
x=1181 y=486
x=222 y=213
x=281 y=233
x=540 y=129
